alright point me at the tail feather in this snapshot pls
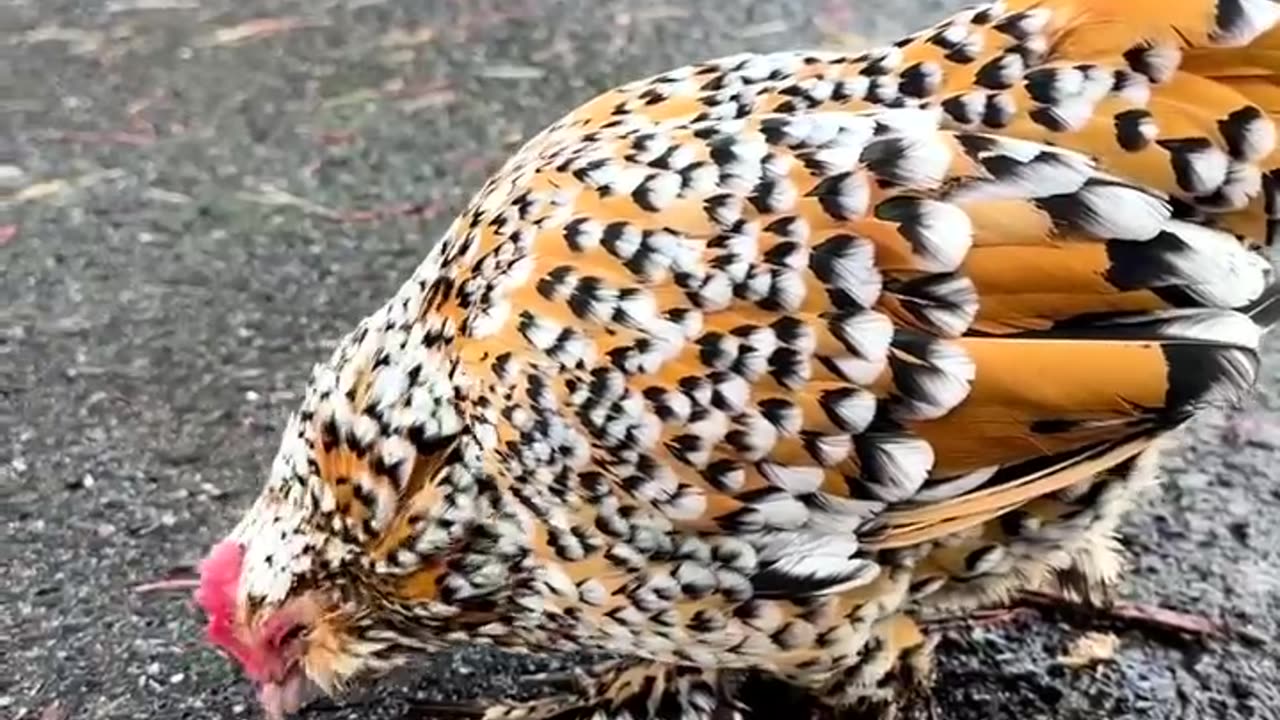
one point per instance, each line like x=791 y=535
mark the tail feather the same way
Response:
x=1265 y=311
x=1253 y=72
x=1105 y=27
x=1181 y=97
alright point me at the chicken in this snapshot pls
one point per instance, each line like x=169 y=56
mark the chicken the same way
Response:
x=749 y=366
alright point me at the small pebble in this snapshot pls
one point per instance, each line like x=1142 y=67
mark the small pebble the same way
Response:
x=212 y=490
x=176 y=678
x=11 y=177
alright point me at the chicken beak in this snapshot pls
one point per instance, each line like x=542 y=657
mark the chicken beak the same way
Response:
x=281 y=699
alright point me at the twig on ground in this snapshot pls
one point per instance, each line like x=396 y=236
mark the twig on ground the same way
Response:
x=427 y=210
x=1138 y=616
x=110 y=137
x=1128 y=614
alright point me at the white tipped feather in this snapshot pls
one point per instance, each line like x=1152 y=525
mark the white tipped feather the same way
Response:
x=716 y=292
x=1034 y=21
x=688 y=503
x=889 y=57
x=973 y=103
x=850 y=195
x=1259 y=139
x=1010 y=67
x=906 y=121
x=734 y=392
x=1217 y=269
x=854 y=271
x=851 y=411
x=757 y=437
x=938 y=387
x=390 y=385
x=1242 y=184
x=953 y=487
x=1163 y=61
x=1122 y=212
x=1206 y=169
x=894 y=465
x=795 y=479
x=661 y=189
x=954 y=34
x=857 y=371
x=1137 y=91
x=1225 y=327
x=867 y=333
x=1255 y=18
x=819 y=564
x=948 y=304
x=831 y=450
x=780 y=510
x=944 y=235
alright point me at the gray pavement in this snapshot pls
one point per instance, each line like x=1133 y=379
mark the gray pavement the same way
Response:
x=201 y=196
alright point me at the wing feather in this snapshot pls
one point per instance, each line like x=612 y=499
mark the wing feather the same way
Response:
x=822 y=331
x=818 y=304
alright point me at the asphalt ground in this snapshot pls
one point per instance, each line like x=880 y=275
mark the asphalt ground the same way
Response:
x=200 y=197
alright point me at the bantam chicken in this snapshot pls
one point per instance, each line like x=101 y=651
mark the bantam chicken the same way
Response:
x=750 y=365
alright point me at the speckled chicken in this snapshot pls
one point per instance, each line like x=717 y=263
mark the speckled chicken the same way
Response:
x=749 y=365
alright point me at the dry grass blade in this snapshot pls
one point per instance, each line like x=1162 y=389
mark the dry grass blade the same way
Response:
x=116 y=137
x=77 y=41
x=181 y=578
x=660 y=12
x=275 y=197
x=256 y=29
x=764 y=29
x=56 y=188
x=512 y=72
x=170 y=585
x=429 y=99
x=123 y=6
x=407 y=38
x=44 y=189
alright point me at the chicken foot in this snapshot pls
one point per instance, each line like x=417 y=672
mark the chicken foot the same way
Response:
x=628 y=689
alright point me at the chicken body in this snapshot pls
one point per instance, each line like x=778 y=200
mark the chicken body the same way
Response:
x=748 y=365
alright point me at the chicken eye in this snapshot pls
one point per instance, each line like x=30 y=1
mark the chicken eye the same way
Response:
x=288 y=636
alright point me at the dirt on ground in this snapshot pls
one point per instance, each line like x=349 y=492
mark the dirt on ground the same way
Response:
x=198 y=197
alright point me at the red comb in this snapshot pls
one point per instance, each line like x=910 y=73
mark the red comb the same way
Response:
x=219 y=577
